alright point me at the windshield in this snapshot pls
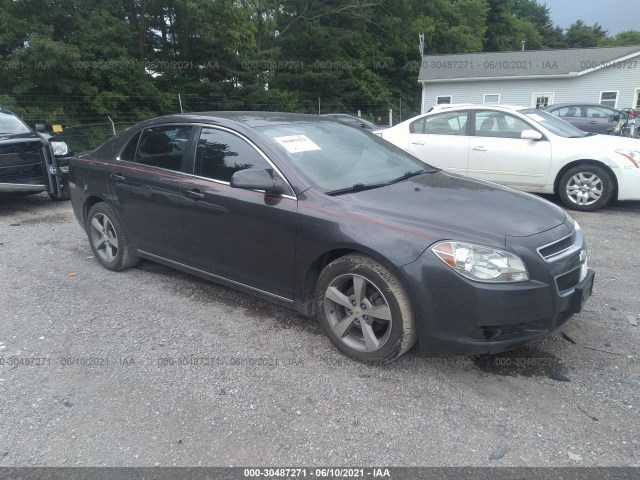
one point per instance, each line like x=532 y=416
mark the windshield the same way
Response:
x=554 y=124
x=10 y=124
x=334 y=156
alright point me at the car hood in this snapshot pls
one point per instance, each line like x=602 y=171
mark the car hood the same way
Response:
x=443 y=204
x=18 y=137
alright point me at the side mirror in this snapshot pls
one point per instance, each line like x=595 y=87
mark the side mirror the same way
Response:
x=256 y=179
x=41 y=128
x=531 y=135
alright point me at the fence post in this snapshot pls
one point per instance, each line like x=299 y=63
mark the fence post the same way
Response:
x=113 y=126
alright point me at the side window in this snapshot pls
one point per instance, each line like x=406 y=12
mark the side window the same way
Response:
x=565 y=112
x=450 y=123
x=417 y=126
x=220 y=154
x=129 y=152
x=599 y=112
x=163 y=147
x=499 y=124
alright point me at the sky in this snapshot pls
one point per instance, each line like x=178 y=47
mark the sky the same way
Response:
x=614 y=15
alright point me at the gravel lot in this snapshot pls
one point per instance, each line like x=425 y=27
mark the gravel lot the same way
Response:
x=114 y=389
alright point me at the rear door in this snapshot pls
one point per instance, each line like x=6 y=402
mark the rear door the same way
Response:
x=242 y=235
x=441 y=140
x=145 y=181
x=498 y=153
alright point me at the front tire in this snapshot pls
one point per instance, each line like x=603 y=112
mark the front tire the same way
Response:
x=586 y=188
x=108 y=238
x=364 y=310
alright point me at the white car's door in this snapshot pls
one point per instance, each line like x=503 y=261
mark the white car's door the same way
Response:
x=497 y=153
x=441 y=140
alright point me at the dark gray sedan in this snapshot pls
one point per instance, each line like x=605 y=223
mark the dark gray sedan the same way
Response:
x=594 y=118
x=335 y=223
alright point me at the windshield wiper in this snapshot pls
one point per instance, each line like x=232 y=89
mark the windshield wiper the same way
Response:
x=358 y=187
x=409 y=175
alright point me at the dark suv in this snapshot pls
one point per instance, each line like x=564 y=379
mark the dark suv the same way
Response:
x=29 y=163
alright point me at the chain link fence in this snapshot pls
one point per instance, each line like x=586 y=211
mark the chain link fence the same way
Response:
x=90 y=136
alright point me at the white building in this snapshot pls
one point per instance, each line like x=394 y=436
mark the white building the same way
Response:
x=536 y=78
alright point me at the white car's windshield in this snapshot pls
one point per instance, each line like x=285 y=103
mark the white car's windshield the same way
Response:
x=10 y=124
x=554 y=124
x=336 y=157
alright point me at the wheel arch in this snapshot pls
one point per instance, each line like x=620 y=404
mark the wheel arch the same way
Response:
x=607 y=168
x=321 y=261
x=88 y=203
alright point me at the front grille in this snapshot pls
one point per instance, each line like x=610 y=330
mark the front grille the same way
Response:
x=22 y=163
x=569 y=280
x=555 y=248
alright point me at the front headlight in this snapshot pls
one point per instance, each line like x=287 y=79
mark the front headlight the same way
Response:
x=572 y=220
x=60 y=148
x=632 y=155
x=481 y=263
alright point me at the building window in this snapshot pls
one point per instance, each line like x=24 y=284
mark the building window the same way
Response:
x=610 y=99
x=637 y=102
x=491 y=98
x=444 y=100
x=541 y=100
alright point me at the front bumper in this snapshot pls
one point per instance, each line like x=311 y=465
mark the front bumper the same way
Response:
x=28 y=165
x=628 y=183
x=455 y=315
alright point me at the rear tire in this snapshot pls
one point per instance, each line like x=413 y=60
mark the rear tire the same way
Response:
x=364 y=310
x=108 y=238
x=586 y=187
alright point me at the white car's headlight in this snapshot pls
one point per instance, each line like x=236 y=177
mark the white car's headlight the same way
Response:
x=60 y=148
x=632 y=155
x=481 y=263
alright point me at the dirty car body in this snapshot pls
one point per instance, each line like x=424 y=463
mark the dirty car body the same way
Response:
x=27 y=160
x=335 y=222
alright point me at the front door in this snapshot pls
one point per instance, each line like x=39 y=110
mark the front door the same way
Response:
x=242 y=235
x=497 y=153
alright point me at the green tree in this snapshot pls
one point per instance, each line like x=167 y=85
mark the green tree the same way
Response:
x=629 y=37
x=580 y=35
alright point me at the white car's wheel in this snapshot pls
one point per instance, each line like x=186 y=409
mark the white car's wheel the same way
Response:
x=586 y=187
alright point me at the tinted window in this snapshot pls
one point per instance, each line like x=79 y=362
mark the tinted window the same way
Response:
x=129 y=152
x=499 y=124
x=163 y=147
x=573 y=111
x=450 y=123
x=220 y=154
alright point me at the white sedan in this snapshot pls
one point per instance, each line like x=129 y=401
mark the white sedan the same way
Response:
x=527 y=149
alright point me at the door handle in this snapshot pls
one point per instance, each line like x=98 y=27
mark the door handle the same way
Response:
x=117 y=176
x=592 y=122
x=417 y=142
x=479 y=148
x=194 y=194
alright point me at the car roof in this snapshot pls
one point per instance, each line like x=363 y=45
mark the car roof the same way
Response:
x=576 y=104
x=250 y=119
x=476 y=106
